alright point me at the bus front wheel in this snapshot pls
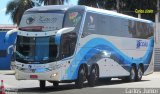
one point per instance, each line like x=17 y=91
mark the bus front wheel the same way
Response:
x=56 y=84
x=81 y=77
x=42 y=84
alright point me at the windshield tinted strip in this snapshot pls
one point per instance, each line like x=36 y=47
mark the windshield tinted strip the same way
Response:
x=46 y=11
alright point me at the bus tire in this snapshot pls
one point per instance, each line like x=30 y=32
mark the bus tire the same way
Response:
x=132 y=76
x=42 y=84
x=105 y=79
x=108 y=79
x=93 y=76
x=81 y=77
x=139 y=73
x=56 y=84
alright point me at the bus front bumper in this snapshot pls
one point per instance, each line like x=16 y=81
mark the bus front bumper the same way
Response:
x=51 y=75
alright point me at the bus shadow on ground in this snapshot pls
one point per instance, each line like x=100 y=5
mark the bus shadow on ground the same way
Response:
x=66 y=87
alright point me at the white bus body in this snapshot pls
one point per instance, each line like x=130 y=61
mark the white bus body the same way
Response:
x=78 y=43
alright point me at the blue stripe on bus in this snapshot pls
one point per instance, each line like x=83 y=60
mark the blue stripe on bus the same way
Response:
x=90 y=49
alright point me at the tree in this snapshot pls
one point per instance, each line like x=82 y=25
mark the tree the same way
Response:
x=93 y=3
x=16 y=9
x=54 y=2
x=125 y=6
x=128 y=7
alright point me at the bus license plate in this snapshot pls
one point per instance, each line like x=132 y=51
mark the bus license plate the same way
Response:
x=33 y=76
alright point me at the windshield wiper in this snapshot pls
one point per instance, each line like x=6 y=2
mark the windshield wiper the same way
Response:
x=19 y=54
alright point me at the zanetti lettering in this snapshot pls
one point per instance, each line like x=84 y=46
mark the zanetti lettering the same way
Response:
x=141 y=43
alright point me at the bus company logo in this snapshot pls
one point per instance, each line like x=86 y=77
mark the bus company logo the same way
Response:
x=44 y=19
x=141 y=43
x=30 y=20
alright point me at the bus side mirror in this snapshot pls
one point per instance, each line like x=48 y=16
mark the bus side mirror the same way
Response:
x=10 y=37
x=10 y=40
x=10 y=49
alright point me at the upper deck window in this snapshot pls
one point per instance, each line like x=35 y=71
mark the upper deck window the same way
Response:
x=42 y=20
x=73 y=18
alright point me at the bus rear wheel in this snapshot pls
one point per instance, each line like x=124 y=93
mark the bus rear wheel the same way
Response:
x=132 y=76
x=81 y=78
x=139 y=73
x=93 y=76
x=105 y=80
x=42 y=84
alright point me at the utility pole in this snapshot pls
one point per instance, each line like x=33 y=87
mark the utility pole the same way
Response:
x=117 y=5
x=139 y=15
x=140 y=6
x=158 y=10
x=157 y=24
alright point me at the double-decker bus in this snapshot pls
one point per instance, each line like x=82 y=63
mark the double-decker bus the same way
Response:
x=79 y=43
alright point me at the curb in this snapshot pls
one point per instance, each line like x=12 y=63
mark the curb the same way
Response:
x=7 y=72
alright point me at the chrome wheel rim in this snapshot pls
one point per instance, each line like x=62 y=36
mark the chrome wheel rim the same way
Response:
x=140 y=73
x=133 y=74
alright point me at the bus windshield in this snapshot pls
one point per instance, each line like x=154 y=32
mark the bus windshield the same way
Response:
x=73 y=19
x=36 y=49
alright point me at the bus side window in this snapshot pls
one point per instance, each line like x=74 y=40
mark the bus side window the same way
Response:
x=64 y=46
x=68 y=44
x=90 y=24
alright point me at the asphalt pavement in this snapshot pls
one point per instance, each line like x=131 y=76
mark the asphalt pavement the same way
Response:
x=116 y=86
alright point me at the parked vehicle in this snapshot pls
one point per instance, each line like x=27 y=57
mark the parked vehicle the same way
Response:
x=7 y=42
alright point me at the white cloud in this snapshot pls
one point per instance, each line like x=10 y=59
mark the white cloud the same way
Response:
x=2 y=10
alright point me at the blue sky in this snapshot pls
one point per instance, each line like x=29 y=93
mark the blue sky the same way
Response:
x=5 y=19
